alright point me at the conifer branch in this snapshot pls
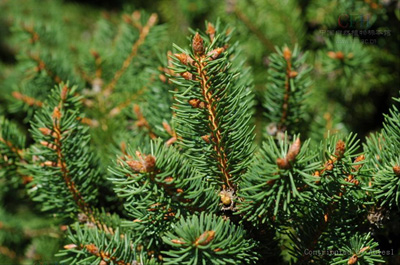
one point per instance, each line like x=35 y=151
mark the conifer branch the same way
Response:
x=287 y=54
x=26 y=99
x=135 y=47
x=253 y=28
x=211 y=105
x=41 y=65
x=142 y=122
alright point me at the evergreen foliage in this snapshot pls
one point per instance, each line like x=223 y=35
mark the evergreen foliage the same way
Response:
x=235 y=145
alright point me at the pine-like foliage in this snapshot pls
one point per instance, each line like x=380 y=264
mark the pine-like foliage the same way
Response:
x=225 y=149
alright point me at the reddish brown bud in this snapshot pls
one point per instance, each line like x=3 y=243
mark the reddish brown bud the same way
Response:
x=294 y=150
x=206 y=138
x=396 y=170
x=57 y=113
x=364 y=249
x=340 y=149
x=187 y=76
x=70 y=246
x=214 y=54
x=196 y=103
x=149 y=163
x=339 y=55
x=198 y=44
x=91 y=248
x=287 y=54
x=210 y=31
x=205 y=238
x=135 y=165
x=184 y=58
x=332 y=54
x=282 y=163
x=45 y=131
x=64 y=93
x=217 y=249
x=178 y=241
x=169 y=179
x=358 y=160
x=353 y=260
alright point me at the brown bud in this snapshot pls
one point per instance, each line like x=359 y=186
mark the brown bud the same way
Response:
x=293 y=74
x=27 y=179
x=187 y=76
x=48 y=163
x=339 y=55
x=149 y=163
x=357 y=160
x=178 y=241
x=214 y=54
x=48 y=145
x=152 y=20
x=294 y=150
x=70 y=246
x=287 y=54
x=364 y=249
x=162 y=77
x=57 y=113
x=45 y=131
x=179 y=190
x=217 y=249
x=353 y=260
x=197 y=103
x=135 y=165
x=329 y=165
x=282 y=163
x=206 y=138
x=210 y=31
x=396 y=170
x=91 y=248
x=136 y=15
x=82 y=217
x=332 y=55
x=64 y=93
x=205 y=238
x=169 y=179
x=198 y=44
x=102 y=262
x=340 y=149
x=167 y=127
x=184 y=58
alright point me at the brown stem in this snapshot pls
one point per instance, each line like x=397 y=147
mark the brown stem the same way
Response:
x=61 y=163
x=28 y=100
x=105 y=256
x=43 y=66
x=285 y=106
x=142 y=37
x=213 y=121
x=259 y=34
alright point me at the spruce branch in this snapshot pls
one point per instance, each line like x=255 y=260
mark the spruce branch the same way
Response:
x=208 y=239
x=212 y=104
x=55 y=129
x=253 y=28
x=144 y=31
x=30 y=101
x=286 y=90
